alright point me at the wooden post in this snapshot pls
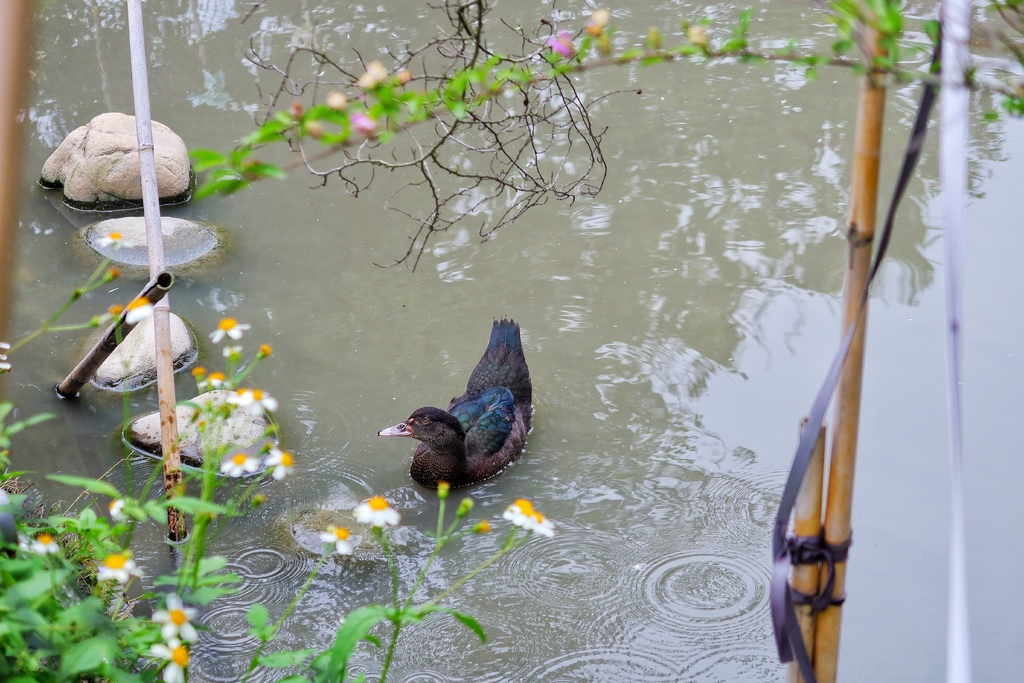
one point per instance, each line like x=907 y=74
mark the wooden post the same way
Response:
x=860 y=235
x=807 y=513
x=154 y=239
x=15 y=51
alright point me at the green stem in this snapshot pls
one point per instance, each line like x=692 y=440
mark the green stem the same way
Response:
x=512 y=541
x=392 y=564
x=76 y=294
x=391 y=652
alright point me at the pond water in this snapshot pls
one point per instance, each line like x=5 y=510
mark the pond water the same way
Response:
x=676 y=326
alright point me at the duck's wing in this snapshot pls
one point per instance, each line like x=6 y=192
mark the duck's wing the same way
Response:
x=487 y=419
x=503 y=364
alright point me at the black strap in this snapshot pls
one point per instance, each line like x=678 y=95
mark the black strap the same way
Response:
x=787 y=630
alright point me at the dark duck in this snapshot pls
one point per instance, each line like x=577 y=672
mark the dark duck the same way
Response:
x=482 y=431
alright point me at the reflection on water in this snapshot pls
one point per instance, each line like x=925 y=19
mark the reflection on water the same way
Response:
x=676 y=326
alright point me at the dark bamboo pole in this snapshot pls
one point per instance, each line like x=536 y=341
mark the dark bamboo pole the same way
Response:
x=154 y=240
x=153 y=292
x=807 y=518
x=860 y=235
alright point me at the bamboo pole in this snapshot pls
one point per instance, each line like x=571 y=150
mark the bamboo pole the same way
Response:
x=154 y=238
x=15 y=50
x=860 y=235
x=153 y=292
x=807 y=513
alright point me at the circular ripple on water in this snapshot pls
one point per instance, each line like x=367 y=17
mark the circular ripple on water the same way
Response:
x=268 y=576
x=739 y=664
x=577 y=569
x=705 y=593
x=605 y=664
x=223 y=651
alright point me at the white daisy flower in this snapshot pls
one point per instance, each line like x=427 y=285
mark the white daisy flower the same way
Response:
x=176 y=620
x=377 y=512
x=337 y=535
x=232 y=351
x=138 y=310
x=254 y=400
x=239 y=464
x=228 y=327
x=113 y=239
x=44 y=544
x=116 y=509
x=281 y=461
x=176 y=655
x=4 y=365
x=118 y=567
x=522 y=515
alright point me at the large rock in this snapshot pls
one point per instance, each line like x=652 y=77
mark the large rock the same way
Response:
x=241 y=431
x=132 y=365
x=98 y=164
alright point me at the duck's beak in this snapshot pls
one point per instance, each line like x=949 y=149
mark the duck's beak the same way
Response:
x=400 y=429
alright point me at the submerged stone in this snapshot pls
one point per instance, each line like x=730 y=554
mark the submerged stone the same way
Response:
x=97 y=165
x=186 y=242
x=132 y=365
x=240 y=431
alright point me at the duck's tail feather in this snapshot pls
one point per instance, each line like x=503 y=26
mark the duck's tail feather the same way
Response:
x=503 y=364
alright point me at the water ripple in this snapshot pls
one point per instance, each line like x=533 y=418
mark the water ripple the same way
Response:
x=605 y=664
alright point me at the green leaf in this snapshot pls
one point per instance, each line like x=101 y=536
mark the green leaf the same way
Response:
x=91 y=485
x=37 y=584
x=261 y=170
x=286 y=658
x=470 y=623
x=193 y=506
x=458 y=108
x=206 y=158
x=88 y=655
x=355 y=627
x=257 y=615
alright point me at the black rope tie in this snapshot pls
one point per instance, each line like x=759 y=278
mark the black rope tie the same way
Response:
x=816 y=550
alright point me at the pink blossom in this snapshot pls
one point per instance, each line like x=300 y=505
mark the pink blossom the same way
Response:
x=363 y=123
x=561 y=44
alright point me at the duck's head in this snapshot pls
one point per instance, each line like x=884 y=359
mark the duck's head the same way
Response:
x=437 y=428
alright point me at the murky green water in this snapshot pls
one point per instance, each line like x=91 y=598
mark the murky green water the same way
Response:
x=676 y=327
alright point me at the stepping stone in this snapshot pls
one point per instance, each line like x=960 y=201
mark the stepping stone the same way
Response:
x=186 y=242
x=241 y=430
x=132 y=365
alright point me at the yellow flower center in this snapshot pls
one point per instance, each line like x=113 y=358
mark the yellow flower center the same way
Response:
x=138 y=303
x=265 y=349
x=116 y=309
x=179 y=656
x=216 y=377
x=116 y=561
x=198 y=371
x=115 y=236
x=286 y=459
x=178 y=617
x=340 y=532
x=45 y=538
x=239 y=458
x=483 y=526
x=257 y=394
x=113 y=504
x=378 y=503
x=227 y=324
x=525 y=506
